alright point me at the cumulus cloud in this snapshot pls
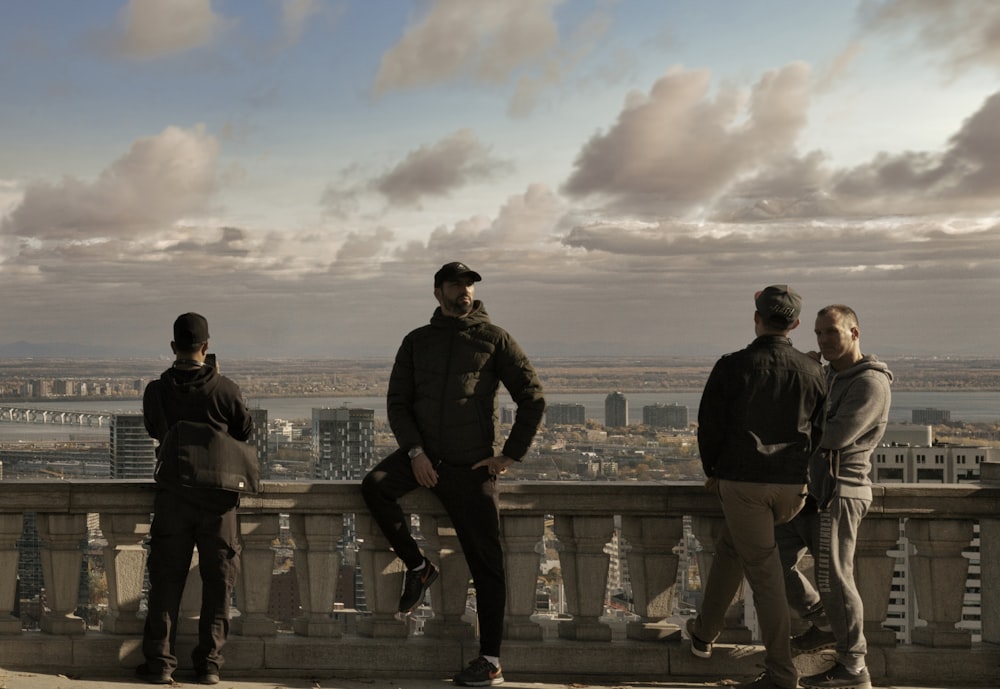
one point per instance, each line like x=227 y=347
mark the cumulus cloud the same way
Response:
x=160 y=179
x=962 y=32
x=439 y=169
x=153 y=29
x=483 y=41
x=679 y=146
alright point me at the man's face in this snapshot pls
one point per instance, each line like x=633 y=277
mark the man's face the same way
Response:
x=835 y=336
x=456 y=297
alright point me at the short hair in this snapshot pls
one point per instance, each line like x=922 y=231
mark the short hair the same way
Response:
x=842 y=310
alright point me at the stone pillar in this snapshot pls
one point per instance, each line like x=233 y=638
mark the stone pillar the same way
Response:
x=62 y=536
x=449 y=592
x=939 y=572
x=253 y=589
x=125 y=566
x=521 y=537
x=707 y=530
x=11 y=526
x=873 y=570
x=317 y=567
x=585 y=574
x=989 y=560
x=382 y=574
x=652 y=566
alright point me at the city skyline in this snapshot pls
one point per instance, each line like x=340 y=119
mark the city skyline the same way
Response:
x=624 y=174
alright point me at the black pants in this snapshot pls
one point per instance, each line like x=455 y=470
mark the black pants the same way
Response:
x=471 y=500
x=178 y=526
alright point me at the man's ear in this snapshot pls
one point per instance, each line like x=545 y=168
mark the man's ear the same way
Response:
x=204 y=348
x=173 y=347
x=794 y=325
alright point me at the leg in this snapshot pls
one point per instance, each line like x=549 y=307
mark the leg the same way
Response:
x=388 y=481
x=219 y=566
x=835 y=576
x=793 y=539
x=752 y=510
x=721 y=585
x=170 y=547
x=472 y=502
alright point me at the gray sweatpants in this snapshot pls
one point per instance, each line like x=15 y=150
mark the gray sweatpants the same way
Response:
x=830 y=537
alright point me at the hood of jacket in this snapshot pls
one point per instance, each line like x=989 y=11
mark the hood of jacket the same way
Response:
x=869 y=362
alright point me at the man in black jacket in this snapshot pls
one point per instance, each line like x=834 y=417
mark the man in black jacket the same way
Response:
x=760 y=419
x=442 y=408
x=189 y=516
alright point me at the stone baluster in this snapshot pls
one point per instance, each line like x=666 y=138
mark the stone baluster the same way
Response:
x=125 y=566
x=873 y=569
x=382 y=574
x=939 y=572
x=11 y=526
x=253 y=589
x=449 y=592
x=317 y=568
x=707 y=530
x=652 y=566
x=585 y=567
x=522 y=536
x=61 y=537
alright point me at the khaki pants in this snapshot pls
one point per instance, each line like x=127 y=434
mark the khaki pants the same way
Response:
x=746 y=547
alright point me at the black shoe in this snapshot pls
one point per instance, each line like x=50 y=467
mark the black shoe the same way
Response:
x=479 y=673
x=838 y=677
x=207 y=677
x=812 y=640
x=415 y=585
x=763 y=681
x=149 y=676
x=699 y=648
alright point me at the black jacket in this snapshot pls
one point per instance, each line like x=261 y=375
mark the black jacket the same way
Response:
x=762 y=413
x=443 y=390
x=202 y=395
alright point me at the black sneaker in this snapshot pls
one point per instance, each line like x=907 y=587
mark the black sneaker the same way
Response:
x=699 y=648
x=838 y=677
x=415 y=585
x=150 y=676
x=812 y=640
x=479 y=673
x=209 y=676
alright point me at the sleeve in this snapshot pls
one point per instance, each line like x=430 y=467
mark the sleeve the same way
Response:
x=152 y=411
x=240 y=420
x=519 y=377
x=712 y=419
x=860 y=409
x=401 y=396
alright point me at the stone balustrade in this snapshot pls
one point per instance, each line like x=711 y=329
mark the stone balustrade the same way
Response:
x=648 y=518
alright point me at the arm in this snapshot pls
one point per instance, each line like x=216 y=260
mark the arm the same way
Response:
x=240 y=420
x=712 y=419
x=152 y=411
x=861 y=408
x=400 y=398
x=519 y=377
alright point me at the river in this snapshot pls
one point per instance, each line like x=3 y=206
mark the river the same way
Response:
x=964 y=406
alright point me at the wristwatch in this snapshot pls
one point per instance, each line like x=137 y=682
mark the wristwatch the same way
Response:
x=415 y=452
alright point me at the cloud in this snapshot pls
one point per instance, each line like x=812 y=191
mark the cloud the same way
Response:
x=439 y=169
x=153 y=29
x=158 y=181
x=963 y=32
x=678 y=147
x=482 y=41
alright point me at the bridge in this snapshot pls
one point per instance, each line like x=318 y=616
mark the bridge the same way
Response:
x=57 y=417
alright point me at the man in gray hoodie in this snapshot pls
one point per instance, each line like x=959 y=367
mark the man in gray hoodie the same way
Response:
x=840 y=494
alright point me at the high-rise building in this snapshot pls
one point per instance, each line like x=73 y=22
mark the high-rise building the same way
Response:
x=132 y=453
x=565 y=415
x=665 y=415
x=343 y=442
x=615 y=410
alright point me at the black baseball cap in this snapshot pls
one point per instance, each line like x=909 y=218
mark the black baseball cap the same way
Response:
x=454 y=271
x=190 y=330
x=778 y=305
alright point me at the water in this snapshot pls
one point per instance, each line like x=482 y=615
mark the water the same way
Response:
x=980 y=407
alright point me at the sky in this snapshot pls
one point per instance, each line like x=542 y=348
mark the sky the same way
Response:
x=625 y=174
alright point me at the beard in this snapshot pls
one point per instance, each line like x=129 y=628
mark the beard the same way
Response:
x=458 y=307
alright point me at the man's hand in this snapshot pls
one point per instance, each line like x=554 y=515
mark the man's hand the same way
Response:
x=423 y=470
x=712 y=485
x=497 y=465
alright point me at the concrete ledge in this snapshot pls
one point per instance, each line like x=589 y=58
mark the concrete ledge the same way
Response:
x=555 y=660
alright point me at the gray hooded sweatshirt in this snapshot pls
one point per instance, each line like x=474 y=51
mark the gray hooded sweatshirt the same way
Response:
x=856 y=415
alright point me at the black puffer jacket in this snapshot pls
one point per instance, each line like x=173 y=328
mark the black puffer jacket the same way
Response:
x=443 y=390
x=762 y=413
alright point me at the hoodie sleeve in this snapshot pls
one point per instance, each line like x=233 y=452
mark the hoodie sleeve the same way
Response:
x=400 y=398
x=519 y=377
x=861 y=409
